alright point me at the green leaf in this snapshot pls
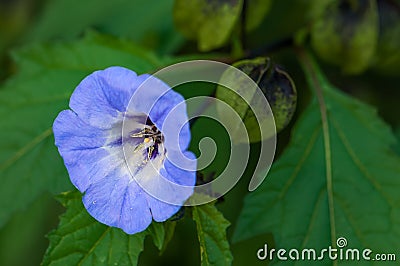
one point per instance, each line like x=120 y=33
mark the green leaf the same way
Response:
x=81 y=240
x=169 y=228
x=21 y=237
x=397 y=134
x=31 y=100
x=148 y=23
x=211 y=231
x=347 y=34
x=157 y=231
x=338 y=178
x=209 y=22
x=93 y=52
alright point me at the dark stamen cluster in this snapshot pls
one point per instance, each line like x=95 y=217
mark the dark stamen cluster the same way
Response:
x=150 y=132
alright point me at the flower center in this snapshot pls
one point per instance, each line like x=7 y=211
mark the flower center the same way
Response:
x=152 y=140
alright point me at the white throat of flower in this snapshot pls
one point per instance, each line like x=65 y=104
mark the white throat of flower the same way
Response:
x=139 y=151
x=144 y=147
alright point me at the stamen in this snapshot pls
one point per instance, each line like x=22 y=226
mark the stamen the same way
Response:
x=137 y=135
x=152 y=139
x=139 y=147
x=150 y=152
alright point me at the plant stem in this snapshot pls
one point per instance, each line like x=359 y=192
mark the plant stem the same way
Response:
x=311 y=73
x=243 y=23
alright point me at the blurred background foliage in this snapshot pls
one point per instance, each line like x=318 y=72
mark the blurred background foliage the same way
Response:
x=356 y=43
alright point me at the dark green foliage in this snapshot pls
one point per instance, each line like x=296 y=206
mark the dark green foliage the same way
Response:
x=337 y=168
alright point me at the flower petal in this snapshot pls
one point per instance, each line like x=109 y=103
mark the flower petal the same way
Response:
x=71 y=133
x=118 y=202
x=160 y=210
x=104 y=199
x=135 y=215
x=103 y=95
x=164 y=197
x=157 y=99
x=185 y=174
x=87 y=151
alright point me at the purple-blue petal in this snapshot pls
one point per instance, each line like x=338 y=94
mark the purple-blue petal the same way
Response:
x=160 y=210
x=80 y=146
x=104 y=94
x=173 y=120
x=135 y=213
x=118 y=202
x=157 y=99
x=185 y=174
x=104 y=199
x=72 y=133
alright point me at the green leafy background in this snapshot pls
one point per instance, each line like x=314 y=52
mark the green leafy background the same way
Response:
x=337 y=165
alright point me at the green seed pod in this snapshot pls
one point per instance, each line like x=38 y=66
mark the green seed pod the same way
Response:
x=346 y=34
x=387 y=59
x=274 y=83
x=255 y=12
x=209 y=22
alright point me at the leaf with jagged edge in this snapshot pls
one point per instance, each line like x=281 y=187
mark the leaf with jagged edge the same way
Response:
x=339 y=177
x=30 y=101
x=81 y=240
x=211 y=231
x=169 y=228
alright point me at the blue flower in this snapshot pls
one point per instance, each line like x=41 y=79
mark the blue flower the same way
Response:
x=124 y=143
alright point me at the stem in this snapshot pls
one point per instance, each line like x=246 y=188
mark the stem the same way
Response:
x=243 y=23
x=272 y=47
x=311 y=72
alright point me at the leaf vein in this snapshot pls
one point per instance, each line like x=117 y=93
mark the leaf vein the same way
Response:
x=26 y=148
x=94 y=246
